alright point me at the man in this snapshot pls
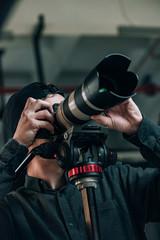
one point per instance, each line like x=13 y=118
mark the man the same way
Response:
x=48 y=206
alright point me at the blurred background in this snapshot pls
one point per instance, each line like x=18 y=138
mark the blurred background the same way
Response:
x=61 y=41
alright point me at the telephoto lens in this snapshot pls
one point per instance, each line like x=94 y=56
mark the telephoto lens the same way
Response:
x=108 y=84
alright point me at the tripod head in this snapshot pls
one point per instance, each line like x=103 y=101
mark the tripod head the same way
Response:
x=81 y=151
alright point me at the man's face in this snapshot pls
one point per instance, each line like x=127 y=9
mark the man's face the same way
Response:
x=54 y=98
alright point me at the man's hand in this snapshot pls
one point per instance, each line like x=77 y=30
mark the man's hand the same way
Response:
x=32 y=119
x=125 y=117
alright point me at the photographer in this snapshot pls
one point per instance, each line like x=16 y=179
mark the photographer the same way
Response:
x=48 y=206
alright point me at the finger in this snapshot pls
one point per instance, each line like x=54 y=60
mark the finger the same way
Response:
x=37 y=104
x=95 y=116
x=44 y=115
x=45 y=124
x=126 y=101
x=102 y=120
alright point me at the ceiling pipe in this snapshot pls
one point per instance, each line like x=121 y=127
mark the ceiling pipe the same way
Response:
x=146 y=56
x=1 y=78
x=6 y=7
x=2 y=106
x=36 y=46
x=11 y=90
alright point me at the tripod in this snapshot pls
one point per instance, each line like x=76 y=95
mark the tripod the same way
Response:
x=83 y=153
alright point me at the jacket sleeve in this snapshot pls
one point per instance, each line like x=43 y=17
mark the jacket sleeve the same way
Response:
x=11 y=155
x=144 y=184
x=148 y=141
x=142 y=192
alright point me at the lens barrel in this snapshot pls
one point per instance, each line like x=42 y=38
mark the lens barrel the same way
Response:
x=108 y=84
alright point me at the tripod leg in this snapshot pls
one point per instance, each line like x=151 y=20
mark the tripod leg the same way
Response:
x=87 y=213
x=90 y=212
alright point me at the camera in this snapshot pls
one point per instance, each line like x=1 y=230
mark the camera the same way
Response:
x=108 y=84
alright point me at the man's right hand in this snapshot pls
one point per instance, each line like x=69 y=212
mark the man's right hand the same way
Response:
x=32 y=119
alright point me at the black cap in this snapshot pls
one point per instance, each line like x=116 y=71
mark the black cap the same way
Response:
x=16 y=103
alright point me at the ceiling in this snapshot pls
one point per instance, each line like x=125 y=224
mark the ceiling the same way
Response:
x=74 y=37
x=85 y=17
